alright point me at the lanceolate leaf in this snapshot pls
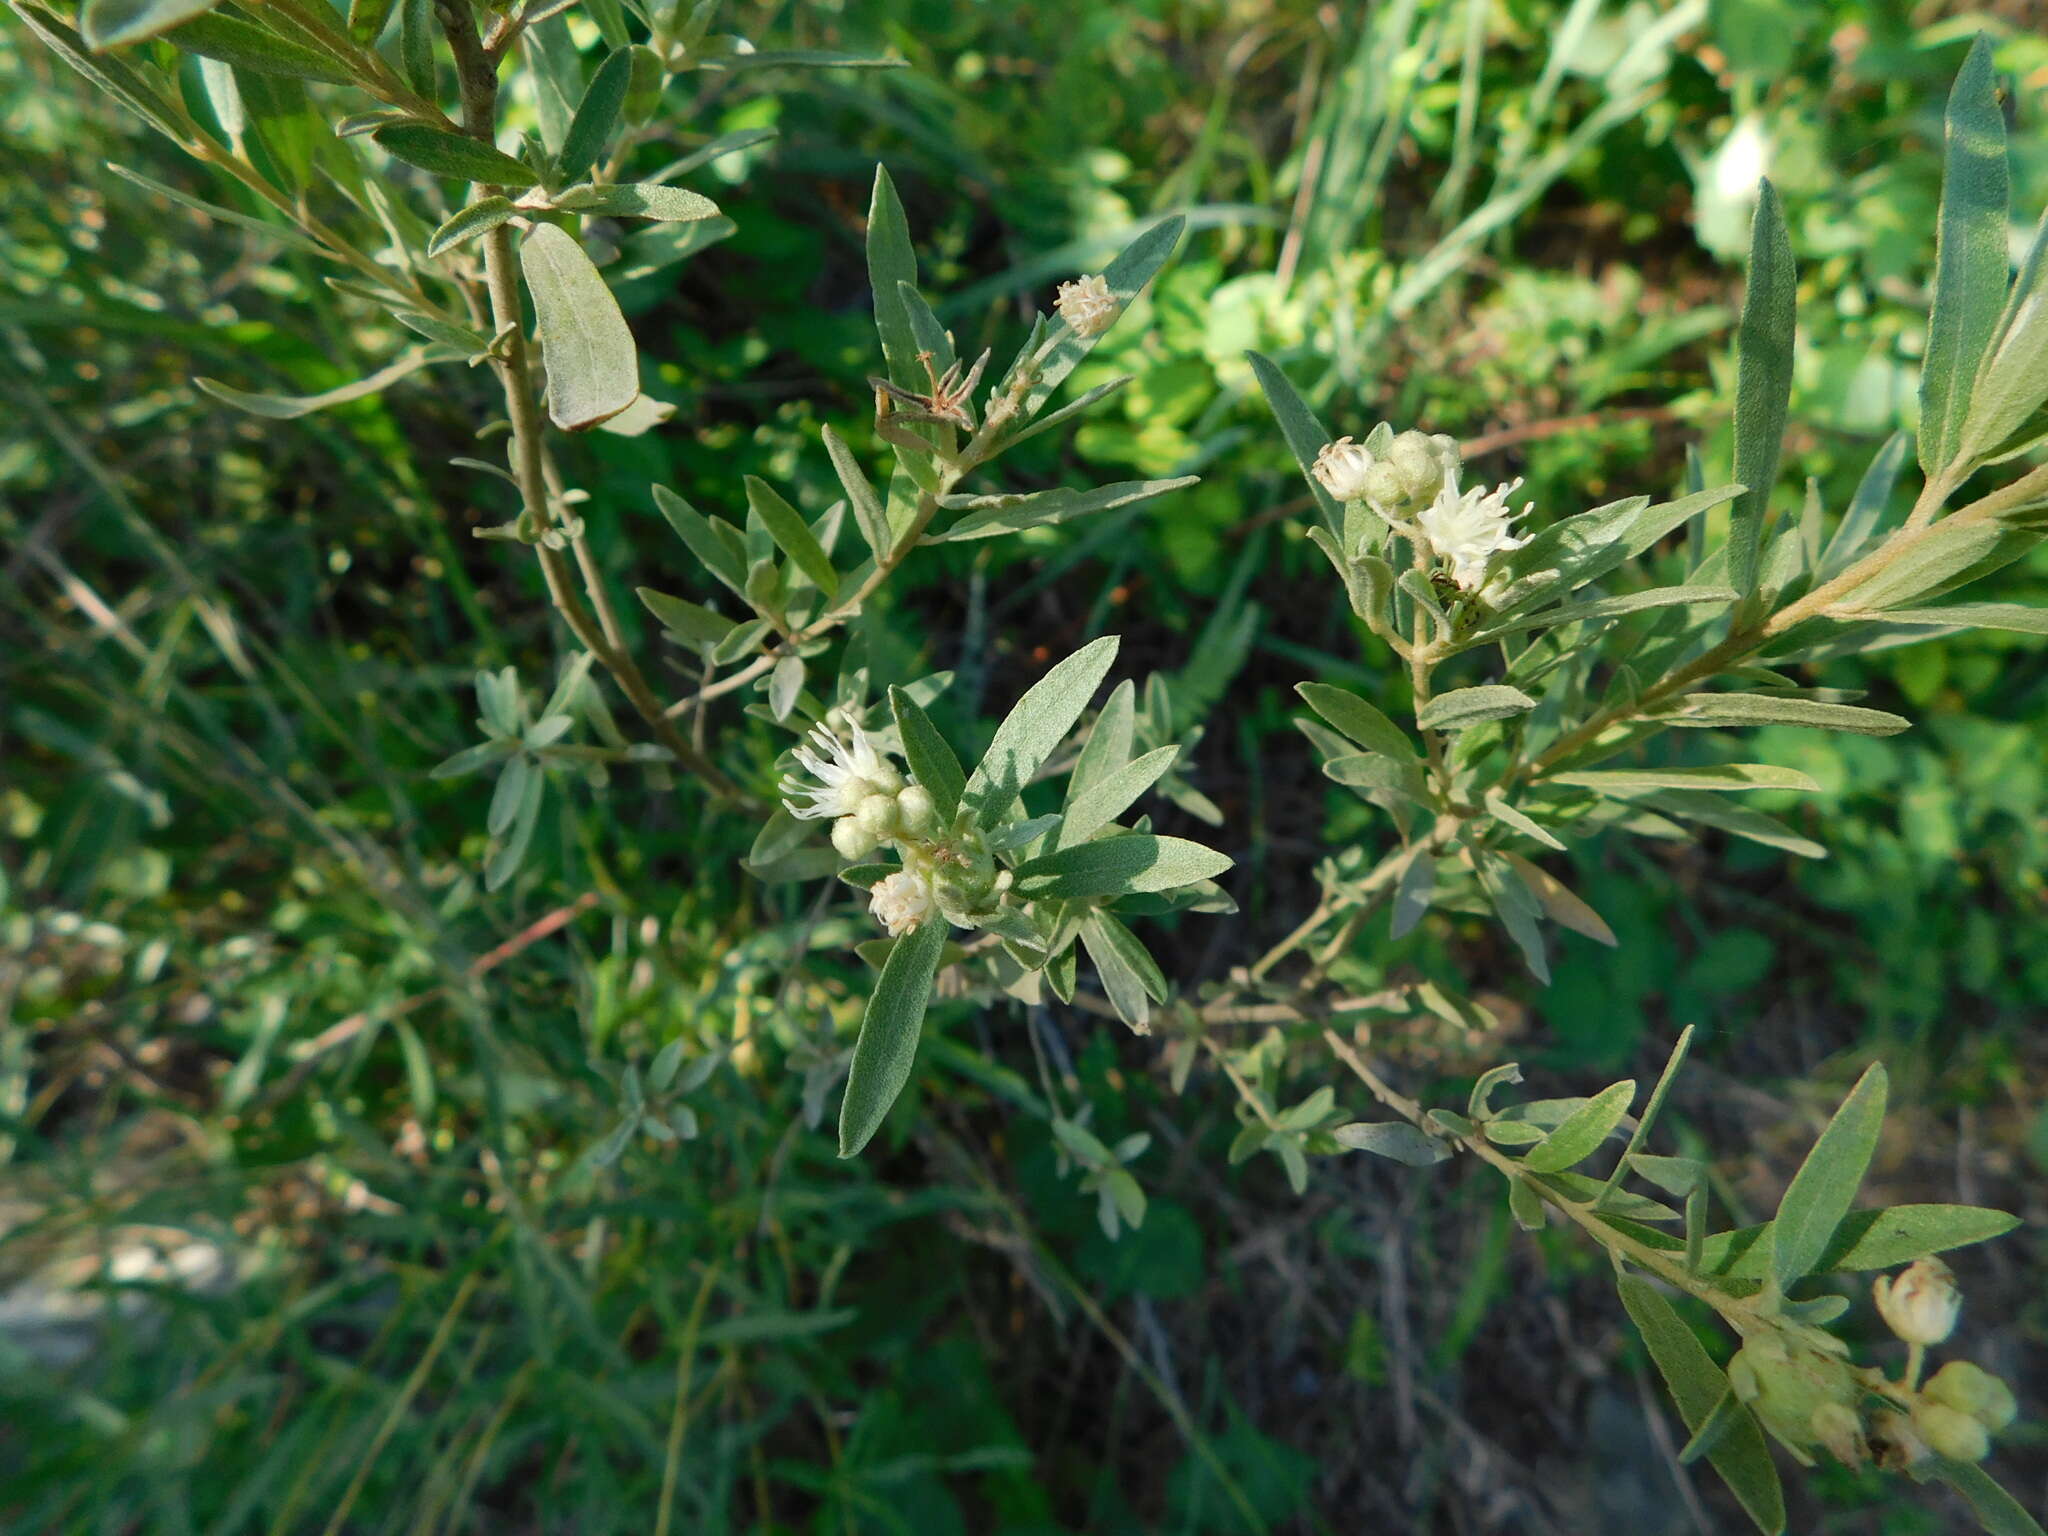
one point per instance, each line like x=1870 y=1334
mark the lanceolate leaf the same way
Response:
x=1395 y=1139
x=1039 y=723
x=1825 y=1186
x=1131 y=862
x=1697 y=1386
x=1737 y=709
x=892 y=260
x=1998 y=1512
x=1763 y=382
x=1732 y=817
x=692 y=623
x=1969 y=257
x=479 y=217
x=1111 y=795
x=593 y=369
x=1135 y=266
x=1862 y=1240
x=1358 y=720
x=1465 y=707
x=1579 y=1136
x=931 y=759
x=639 y=200
x=720 y=552
x=2016 y=617
x=2012 y=381
x=454 y=154
x=248 y=46
x=1728 y=776
x=287 y=407
x=991 y=515
x=887 y=1047
x=792 y=534
x=868 y=511
x=1305 y=435
x=1866 y=507
x=596 y=115
x=111 y=23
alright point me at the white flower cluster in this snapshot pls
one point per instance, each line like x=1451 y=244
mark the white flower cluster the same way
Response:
x=1416 y=477
x=1468 y=528
x=902 y=901
x=1087 y=305
x=848 y=773
x=855 y=786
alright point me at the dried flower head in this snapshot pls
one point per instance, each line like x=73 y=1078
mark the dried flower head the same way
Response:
x=1087 y=305
x=1468 y=528
x=1343 y=467
x=1920 y=1303
x=847 y=770
x=901 y=902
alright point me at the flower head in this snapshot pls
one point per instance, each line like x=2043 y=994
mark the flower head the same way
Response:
x=847 y=771
x=901 y=902
x=1973 y=1390
x=1468 y=528
x=1920 y=1304
x=1087 y=305
x=1343 y=467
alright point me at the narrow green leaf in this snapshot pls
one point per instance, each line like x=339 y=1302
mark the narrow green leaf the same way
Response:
x=868 y=511
x=785 y=685
x=1743 y=709
x=1111 y=795
x=283 y=234
x=1733 y=818
x=931 y=759
x=1463 y=708
x=1579 y=1135
x=454 y=154
x=416 y=44
x=691 y=623
x=1763 y=381
x=892 y=260
x=1697 y=1386
x=2012 y=381
x=1630 y=1158
x=1413 y=892
x=257 y=49
x=1517 y=907
x=1998 y=1512
x=792 y=534
x=1969 y=257
x=1038 y=723
x=1504 y=813
x=1604 y=608
x=480 y=216
x=1825 y=1186
x=887 y=1046
x=718 y=554
x=1480 y=1105
x=2016 y=617
x=1358 y=720
x=1395 y=1139
x=1121 y=981
x=597 y=114
x=1866 y=507
x=1115 y=866
x=1727 y=776
x=1306 y=437
x=991 y=515
x=638 y=200
x=593 y=369
x=111 y=23
x=289 y=407
x=1726 y=1416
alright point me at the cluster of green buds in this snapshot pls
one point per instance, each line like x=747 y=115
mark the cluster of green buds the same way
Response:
x=871 y=804
x=1801 y=1384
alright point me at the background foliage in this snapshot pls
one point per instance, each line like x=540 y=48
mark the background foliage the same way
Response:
x=302 y=1226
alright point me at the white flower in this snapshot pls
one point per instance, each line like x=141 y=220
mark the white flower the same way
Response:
x=901 y=902
x=1468 y=528
x=1342 y=467
x=1087 y=305
x=1920 y=1304
x=847 y=773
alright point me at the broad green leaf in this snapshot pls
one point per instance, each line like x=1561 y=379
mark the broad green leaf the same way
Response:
x=691 y=623
x=1697 y=1386
x=1733 y=818
x=639 y=200
x=597 y=114
x=1579 y=1135
x=1969 y=257
x=1998 y=1512
x=887 y=1046
x=1135 y=266
x=1306 y=437
x=454 y=154
x=593 y=369
x=111 y=23
x=1763 y=381
x=1113 y=866
x=719 y=553
x=479 y=217
x=257 y=49
x=1375 y=771
x=1395 y=1139
x=988 y=516
x=1726 y=776
x=868 y=511
x=1358 y=720
x=1825 y=1186
x=1863 y=1240
x=792 y=534
x=1740 y=709
x=892 y=260
x=1463 y=708
x=1039 y=722
x=931 y=760
x=2015 y=617
x=1109 y=796
x=289 y=407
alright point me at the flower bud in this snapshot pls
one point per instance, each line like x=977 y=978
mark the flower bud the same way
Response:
x=878 y=817
x=1950 y=1433
x=1386 y=490
x=1341 y=468
x=1087 y=305
x=1920 y=1303
x=914 y=806
x=1793 y=1388
x=1973 y=1390
x=1419 y=466
x=964 y=877
x=853 y=841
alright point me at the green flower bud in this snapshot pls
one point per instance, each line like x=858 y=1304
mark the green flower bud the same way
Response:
x=878 y=817
x=1973 y=1390
x=1951 y=1433
x=964 y=877
x=1420 y=467
x=1385 y=488
x=914 y=806
x=1792 y=1387
x=854 y=841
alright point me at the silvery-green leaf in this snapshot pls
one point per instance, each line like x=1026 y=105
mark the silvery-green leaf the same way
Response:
x=1108 y=746
x=1763 y=381
x=867 y=507
x=257 y=49
x=1371 y=772
x=741 y=643
x=1969 y=256
x=1697 y=1386
x=2012 y=381
x=1020 y=834
x=887 y=1046
x=1358 y=720
x=593 y=369
x=638 y=200
x=1724 y=776
x=1134 y=861
x=1645 y=1122
x=1526 y=1206
x=459 y=340
x=1712 y=710
x=1733 y=818
x=1120 y=980
x=1581 y=1190
x=1605 y=608
x=892 y=260
x=1863 y=1240
x=112 y=23
x=1130 y=951
x=454 y=154
x=1866 y=507
x=511 y=850
x=1726 y=1416
x=718 y=552
x=1108 y=797
x=1067 y=412
x=470 y=759
x=1306 y=437
x=1039 y=722
x=866 y=876
x=1394 y=1139
x=1135 y=266
x=1825 y=1186
x=1579 y=1135
x=792 y=58
x=287 y=407
x=785 y=685
x=988 y=516
x=278 y=232
x=597 y=114
x=1480 y=1105
x=1413 y=892
x=480 y=216
x=416 y=44
x=2015 y=617
x=931 y=760
x=1463 y=708
x=791 y=533
x=1678 y=1176
x=1497 y=807
x=1560 y=904
x=1998 y=1512
x=1518 y=909
x=1949 y=555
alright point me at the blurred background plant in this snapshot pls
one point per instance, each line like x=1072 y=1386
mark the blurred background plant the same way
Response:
x=343 y=1195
